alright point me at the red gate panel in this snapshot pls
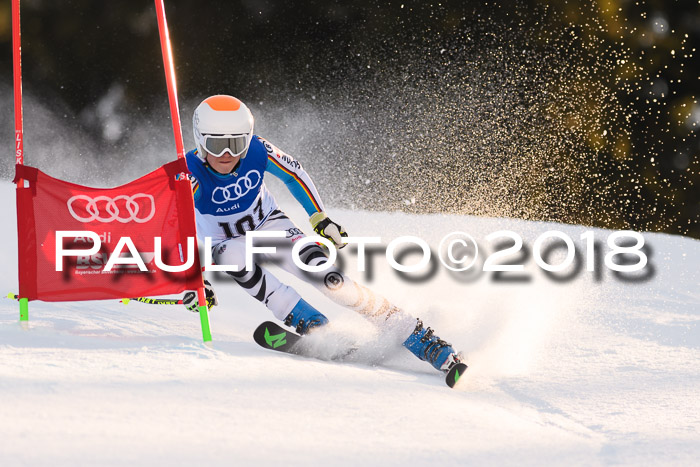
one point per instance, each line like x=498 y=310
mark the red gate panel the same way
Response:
x=155 y=205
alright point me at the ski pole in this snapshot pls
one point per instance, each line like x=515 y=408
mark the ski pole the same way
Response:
x=152 y=301
x=125 y=301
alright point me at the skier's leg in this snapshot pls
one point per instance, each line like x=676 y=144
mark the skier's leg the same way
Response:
x=333 y=282
x=284 y=302
x=395 y=323
x=421 y=342
x=340 y=288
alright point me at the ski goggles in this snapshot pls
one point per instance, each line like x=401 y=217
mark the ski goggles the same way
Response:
x=218 y=145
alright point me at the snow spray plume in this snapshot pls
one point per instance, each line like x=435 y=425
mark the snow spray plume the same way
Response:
x=525 y=120
x=477 y=124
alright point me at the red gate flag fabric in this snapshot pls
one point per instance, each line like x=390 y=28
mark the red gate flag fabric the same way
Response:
x=155 y=205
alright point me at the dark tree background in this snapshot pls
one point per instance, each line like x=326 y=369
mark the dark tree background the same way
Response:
x=573 y=111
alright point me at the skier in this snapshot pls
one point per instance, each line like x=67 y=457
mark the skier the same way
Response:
x=227 y=172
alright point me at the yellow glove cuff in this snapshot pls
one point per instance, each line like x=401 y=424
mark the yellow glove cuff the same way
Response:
x=316 y=218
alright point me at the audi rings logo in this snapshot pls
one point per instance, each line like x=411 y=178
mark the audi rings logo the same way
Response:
x=236 y=190
x=138 y=208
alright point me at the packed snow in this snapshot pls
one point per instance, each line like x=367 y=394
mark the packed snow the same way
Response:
x=588 y=370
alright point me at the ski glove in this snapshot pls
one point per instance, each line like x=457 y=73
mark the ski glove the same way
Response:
x=190 y=298
x=326 y=228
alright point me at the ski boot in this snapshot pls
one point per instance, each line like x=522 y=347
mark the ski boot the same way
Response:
x=304 y=317
x=428 y=347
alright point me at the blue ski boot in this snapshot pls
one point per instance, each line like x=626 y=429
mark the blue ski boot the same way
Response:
x=428 y=347
x=304 y=317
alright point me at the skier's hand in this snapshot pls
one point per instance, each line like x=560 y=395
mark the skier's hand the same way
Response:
x=326 y=228
x=190 y=298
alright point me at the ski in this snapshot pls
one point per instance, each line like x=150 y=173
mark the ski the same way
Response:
x=456 y=372
x=272 y=336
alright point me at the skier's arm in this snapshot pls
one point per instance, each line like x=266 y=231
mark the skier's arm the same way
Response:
x=290 y=171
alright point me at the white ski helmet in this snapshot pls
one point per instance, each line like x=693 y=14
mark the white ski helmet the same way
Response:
x=222 y=124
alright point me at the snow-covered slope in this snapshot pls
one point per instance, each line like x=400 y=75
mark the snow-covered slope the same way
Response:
x=590 y=370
